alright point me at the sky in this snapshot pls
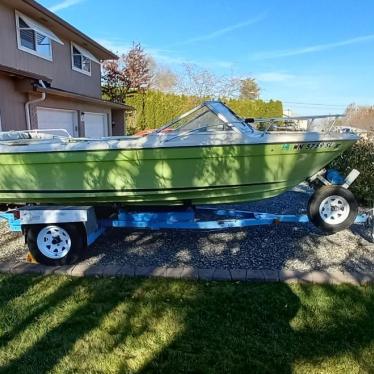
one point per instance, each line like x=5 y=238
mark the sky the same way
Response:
x=316 y=56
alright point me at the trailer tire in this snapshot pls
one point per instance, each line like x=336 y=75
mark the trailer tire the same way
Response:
x=56 y=244
x=332 y=208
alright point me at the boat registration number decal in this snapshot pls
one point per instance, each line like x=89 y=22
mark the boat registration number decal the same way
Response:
x=310 y=146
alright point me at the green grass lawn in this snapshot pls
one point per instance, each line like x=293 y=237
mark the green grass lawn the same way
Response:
x=61 y=324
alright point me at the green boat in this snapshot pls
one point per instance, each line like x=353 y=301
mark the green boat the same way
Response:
x=206 y=156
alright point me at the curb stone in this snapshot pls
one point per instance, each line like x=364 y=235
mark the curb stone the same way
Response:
x=332 y=276
x=159 y=271
x=40 y=269
x=150 y=271
x=190 y=272
x=205 y=274
x=319 y=277
x=221 y=274
x=363 y=278
x=294 y=276
x=143 y=271
x=341 y=277
x=62 y=270
x=254 y=275
x=126 y=271
x=22 y=268
x=110 y=270
x=238 y=274
x=80 y=270
x=271 y=275
x=5 y=267
x=174 y=273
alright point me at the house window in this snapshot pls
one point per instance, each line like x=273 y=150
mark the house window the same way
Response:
x=34 y=38
x=81 y=60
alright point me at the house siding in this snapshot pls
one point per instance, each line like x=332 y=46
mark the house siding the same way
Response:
x=12 y=105
x=59 y=70
x=21 y=70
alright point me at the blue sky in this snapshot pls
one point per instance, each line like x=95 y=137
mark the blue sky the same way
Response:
x=301 y=52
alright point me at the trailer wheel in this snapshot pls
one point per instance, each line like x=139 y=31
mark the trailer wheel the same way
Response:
x=332 y=208
x=57 y=245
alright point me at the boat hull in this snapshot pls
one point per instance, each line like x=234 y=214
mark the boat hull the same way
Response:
x=162 y=176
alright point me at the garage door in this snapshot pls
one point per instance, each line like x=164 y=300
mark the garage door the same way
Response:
x=95 y=125
x=58 y=119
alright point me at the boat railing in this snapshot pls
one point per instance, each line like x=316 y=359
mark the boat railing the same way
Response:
x=27 y=137
x=39 y=131
x=270 y=122
x=52 y=131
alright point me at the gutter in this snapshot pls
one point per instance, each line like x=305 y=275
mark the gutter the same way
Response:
x=35 y=101
x=83 y=98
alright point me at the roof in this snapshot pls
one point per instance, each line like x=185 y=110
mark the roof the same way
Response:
x=84 y=98
x=57 y=24
x=22 y=74
x=58 y=92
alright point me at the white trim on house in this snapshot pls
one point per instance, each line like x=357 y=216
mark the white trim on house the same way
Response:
x=39 y=30
x=85 y=54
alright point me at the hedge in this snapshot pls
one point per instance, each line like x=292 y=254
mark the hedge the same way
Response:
x=360 y=157
x=155 y=108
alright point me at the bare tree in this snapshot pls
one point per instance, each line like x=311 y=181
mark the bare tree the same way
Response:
x=194 y=81
x=360 y=116
x=229 y=87
x=249 y=89
x=163 y=78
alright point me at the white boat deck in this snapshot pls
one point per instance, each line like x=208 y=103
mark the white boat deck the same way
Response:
x=210 y=124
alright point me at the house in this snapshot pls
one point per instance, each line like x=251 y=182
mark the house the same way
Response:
x=299 y=124
x=50 y=75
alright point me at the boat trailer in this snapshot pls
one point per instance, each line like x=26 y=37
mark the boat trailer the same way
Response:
x=196 y=218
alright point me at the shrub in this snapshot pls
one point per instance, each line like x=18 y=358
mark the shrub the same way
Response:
x=360 y=157
x=155 y=108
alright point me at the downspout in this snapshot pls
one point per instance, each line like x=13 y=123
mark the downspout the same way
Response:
x=27 y=105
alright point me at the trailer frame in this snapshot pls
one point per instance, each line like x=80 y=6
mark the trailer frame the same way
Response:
x=190 y=218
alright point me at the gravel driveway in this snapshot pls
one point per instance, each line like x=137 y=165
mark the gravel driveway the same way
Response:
x=285 y=246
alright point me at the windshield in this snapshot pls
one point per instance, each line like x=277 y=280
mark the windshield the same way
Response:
x=203 y=119
x=209 y=117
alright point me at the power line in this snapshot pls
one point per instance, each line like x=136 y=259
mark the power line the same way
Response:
x=315 y=104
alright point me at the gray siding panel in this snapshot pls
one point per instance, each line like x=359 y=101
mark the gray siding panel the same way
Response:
x=12 y=105
x=59 y=70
